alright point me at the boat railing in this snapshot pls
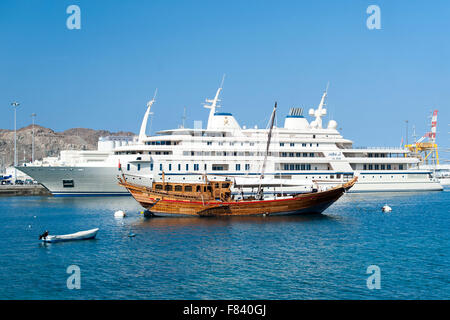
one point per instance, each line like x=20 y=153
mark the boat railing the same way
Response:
x=381 y=148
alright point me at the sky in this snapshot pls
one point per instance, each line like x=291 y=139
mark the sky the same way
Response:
x=102 y=75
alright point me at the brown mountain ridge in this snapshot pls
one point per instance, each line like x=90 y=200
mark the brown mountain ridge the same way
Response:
x=48 y=142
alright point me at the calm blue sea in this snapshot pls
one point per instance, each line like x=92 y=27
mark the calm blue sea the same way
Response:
x=313 y=257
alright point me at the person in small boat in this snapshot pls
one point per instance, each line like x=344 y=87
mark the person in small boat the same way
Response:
x=44 y=235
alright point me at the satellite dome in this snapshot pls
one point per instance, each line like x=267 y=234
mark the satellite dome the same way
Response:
x=332 y=124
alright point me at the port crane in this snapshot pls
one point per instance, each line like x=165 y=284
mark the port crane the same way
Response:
x=426 y=146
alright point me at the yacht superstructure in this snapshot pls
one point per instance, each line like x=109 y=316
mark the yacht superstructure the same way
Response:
x=302 y=155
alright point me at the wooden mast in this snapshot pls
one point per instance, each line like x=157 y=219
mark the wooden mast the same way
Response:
x=259 y=194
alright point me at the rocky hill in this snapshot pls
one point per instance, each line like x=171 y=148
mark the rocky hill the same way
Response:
x=48 y=142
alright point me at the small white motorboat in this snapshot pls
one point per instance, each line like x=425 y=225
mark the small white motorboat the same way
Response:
x=81 y=235
x=386 y=208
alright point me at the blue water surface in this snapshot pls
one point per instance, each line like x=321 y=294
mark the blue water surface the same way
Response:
x=309 y=257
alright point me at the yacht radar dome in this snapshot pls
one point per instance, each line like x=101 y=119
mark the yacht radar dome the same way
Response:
x=332 y=124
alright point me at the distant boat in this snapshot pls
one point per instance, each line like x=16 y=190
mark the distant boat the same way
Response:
x=81 y=235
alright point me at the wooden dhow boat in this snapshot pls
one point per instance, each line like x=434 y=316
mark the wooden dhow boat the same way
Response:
x=215 y=198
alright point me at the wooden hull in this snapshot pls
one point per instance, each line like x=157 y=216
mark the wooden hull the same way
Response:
x=316 y=202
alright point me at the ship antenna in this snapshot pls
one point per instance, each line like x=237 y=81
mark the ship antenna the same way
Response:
x=184 y=117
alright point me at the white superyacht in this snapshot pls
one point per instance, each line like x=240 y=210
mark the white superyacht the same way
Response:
x=303 y=155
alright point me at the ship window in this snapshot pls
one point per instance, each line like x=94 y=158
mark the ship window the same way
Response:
x=178 y=188
x=311 y=154
x=170 y=167
x=370 y=167
x=160 y=167
x=151 y=166
x=377 y=167
x=195 y=166
x=216 y=186
x=292 y=144
x=188 y=188
x=68 y=184
x=383 y=167
x=187 y=167
x=389 y=167
x=225 y=185
x=199 y=189
x=303 y=144
x=365 y=167
x=168 y=187
x=238 y=167
x=281 y=144
x=305 y=154
x=158 y=186
x=400 y=167
x=179 y=167
x=247 y=166
x=314 y=136
x=128 y=167
x=219 y=167
x=139 y=166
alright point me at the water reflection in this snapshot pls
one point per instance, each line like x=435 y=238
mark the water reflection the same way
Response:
x=186 y=221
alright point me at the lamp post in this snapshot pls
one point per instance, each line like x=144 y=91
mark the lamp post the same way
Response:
x=33 y=116
x=15 y=104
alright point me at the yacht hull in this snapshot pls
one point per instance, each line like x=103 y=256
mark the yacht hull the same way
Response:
x=102 y=181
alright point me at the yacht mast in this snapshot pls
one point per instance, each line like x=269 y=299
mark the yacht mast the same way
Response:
x=142 y=132
x=213 y=103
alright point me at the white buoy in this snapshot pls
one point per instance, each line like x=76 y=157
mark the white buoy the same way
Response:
x=386 y=208
x=119 y=214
